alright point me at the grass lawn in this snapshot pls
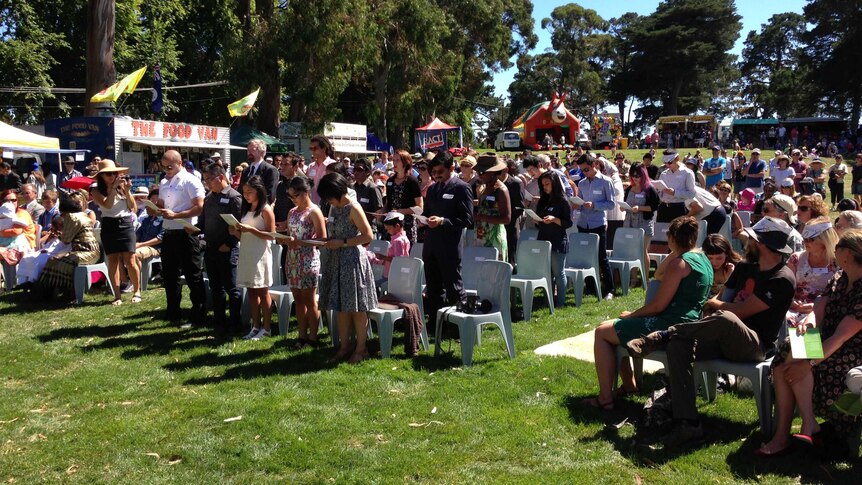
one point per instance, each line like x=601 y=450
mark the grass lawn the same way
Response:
x=94 y=393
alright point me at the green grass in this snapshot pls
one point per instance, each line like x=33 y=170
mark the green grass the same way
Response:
x=94 y=393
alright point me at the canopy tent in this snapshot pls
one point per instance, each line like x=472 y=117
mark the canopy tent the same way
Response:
x=241 y=136
x=433 y=136
x=755 y=121
x=375 y=144
x=16 y=138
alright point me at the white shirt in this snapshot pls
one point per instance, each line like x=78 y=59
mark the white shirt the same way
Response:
x=782 y=174
x=178 y=194
x=706 y=200
x=119 y=209
x=682 y=183
x=254 y=167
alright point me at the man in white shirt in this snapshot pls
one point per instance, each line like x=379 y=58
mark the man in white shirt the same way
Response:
x=679 y=182
x=181 y=197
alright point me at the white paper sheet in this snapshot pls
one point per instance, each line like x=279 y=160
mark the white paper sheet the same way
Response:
x=230 y=219
x=532 y=215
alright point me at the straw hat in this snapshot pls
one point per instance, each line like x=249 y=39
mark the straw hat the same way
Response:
x=108 y=166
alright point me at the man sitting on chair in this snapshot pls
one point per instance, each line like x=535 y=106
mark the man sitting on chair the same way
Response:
x=742 y=330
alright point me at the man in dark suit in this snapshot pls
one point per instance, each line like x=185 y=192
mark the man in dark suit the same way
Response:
x=258 y=166
x=449 y=208
x=8 y=178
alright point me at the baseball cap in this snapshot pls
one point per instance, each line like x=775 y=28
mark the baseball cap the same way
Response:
x=772 y=233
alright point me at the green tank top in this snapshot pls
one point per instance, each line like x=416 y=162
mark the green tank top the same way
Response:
x=693 y=290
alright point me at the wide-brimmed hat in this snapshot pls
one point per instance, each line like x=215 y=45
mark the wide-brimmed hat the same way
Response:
x=772 y=233
x=468 y=160
x=489 y=163
x=141 y=192
x=816 y=160
x=786 y=204
x=215 y=155
x=108 y=166
x=756 y=150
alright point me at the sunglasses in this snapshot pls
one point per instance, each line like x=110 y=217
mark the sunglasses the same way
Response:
x=803 y=208
x=11 y=200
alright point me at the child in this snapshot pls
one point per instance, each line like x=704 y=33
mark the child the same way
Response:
x=30 y=266
x=746 y=200
x=254 y=270
x=399 y=244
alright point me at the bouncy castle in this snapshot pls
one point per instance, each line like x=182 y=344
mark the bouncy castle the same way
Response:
x=551 y=117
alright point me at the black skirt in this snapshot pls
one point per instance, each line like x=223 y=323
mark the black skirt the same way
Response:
x=118 y=235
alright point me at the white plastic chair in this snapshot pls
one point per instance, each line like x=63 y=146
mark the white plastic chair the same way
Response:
x=473 y=256
x=493 y=276
x=701 y=234
x=534 y=272
x=277 y=272
x=628 y=254
x=416 y=250
x=378 y=247
x=406 y=276
x=528 y=234
x=745 y=217
x=582 y=261
x=147 y=270
x=660 y=235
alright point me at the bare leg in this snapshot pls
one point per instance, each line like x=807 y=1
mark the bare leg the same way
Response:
x=133 y=269
x=265 y=306
x=803 y=390
x=254 y=301
x=603 y=347
x=114 y=274
x=360 y=326
x=345 y=324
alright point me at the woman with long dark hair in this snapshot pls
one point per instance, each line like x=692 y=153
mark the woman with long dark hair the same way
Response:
x=112 y=192
x=254 y=269
x=723 y=259
x=556 y=217
x=644 y=201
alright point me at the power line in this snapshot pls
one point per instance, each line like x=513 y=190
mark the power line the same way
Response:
x=56 y=90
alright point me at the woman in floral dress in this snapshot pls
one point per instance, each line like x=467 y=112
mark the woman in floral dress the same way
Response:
x=813 y=267
x=494 y=210
x=302 y=260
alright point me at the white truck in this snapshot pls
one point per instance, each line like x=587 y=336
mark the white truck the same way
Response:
x=507 y=140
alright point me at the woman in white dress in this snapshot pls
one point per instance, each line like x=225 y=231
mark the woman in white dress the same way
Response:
x=254 y=271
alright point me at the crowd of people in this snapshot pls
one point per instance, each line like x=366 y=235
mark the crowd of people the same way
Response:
x=798 y=268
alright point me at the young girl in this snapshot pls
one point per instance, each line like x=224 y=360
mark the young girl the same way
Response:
x=746 y=201
x=302 y=260
x=254 y=270
x=723 y=259
x=399 y=245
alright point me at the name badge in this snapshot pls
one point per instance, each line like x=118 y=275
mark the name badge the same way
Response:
x=157 y=223
x=363 y=199
x=448 y=196
x=389 y=183
x=224 y=201
x=491 y=198
x=640 y=196
x=312 y=173
x=597 y=192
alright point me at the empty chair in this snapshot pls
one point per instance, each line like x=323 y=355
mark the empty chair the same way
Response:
x=660 y=236
x=493 y=276
x=745 y=217
x=470 y=263
x=628 y=254
x=701 y=234
x=282 y=298
x=528 y=234
x=582 y=262
x=534 y=271
x=406 y=276
x=277 y=272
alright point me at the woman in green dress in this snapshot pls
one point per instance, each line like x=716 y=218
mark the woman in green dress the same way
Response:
x=494 y=210
x=685 y=280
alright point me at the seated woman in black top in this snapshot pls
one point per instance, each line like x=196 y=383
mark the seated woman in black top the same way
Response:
x=556 y=217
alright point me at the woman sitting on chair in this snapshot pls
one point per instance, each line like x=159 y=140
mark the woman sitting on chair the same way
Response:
x=812 y=385
x=685 y=280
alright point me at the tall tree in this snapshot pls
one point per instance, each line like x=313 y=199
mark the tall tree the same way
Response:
x=537 y=77
x=577 y=36
x=834 y=55
x=621 y=79
x=772 y=75
x=100 y=49
x=681 y=53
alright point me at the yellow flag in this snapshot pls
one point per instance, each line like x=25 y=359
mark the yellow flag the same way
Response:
x=244 y=105
x=125 y=85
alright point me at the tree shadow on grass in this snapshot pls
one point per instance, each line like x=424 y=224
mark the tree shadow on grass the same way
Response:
x=18 y=303
x=170 y=340
x=637 y=447
x=304 y=362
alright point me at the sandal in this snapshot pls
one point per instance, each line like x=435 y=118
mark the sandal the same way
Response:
x=136 y=298
x=117 y=302
x=339 y=356
x=301 y=343
x=594 y=402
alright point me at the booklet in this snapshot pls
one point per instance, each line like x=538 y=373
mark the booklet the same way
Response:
x=188 y=225
x=149 y=203
x=806 y=346
x=658 y=185
x=624 y=206
x=278 y=235
x=230 y=219
x=533 y=215
x=576 y=200
x=421 y=219
x=313 y=242
x=416 y=210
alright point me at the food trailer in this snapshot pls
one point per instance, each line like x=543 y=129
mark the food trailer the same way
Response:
x=137 y=143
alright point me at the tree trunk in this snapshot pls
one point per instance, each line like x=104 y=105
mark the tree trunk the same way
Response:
x=855 y=110
x=381 y=76
x=622 y=107
x=269 y=102
x=100 y=51
x=673 y=103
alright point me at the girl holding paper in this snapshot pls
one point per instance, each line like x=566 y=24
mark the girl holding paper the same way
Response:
x=644 y=200
x=556 y=218
x=254 y=268
x=813 y=385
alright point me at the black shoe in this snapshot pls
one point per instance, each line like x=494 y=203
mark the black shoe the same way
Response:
x=641 y=347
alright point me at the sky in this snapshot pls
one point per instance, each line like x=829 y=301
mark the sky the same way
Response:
x=753 y=12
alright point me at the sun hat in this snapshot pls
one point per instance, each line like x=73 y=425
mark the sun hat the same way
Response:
x=772 y=233
x=468 y=160
x=215 y=155
x=786 y=204
x=814 y=230
x=107 y=165
x=489 y=163
x=141 y=192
